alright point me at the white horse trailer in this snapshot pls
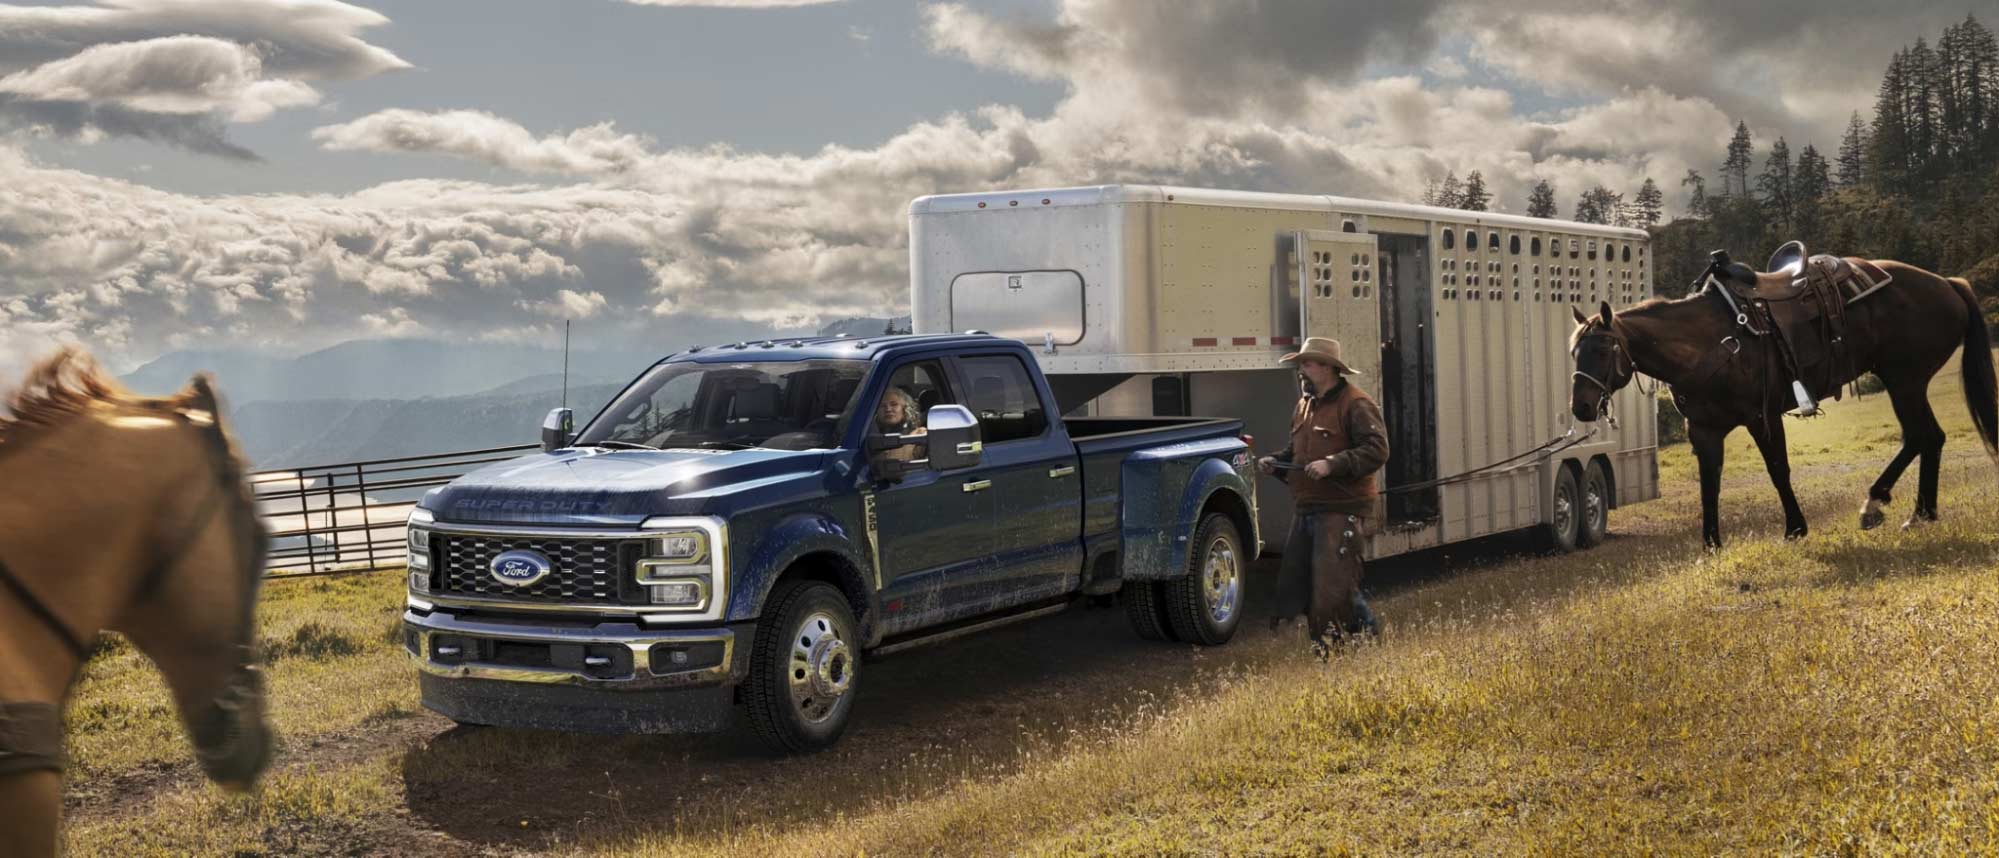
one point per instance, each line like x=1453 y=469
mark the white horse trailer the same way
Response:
x=1146 y=300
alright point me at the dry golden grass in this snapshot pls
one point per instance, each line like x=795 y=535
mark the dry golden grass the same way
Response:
x=1837 y=696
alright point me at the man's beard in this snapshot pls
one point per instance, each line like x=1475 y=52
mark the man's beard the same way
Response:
x=1306 y=386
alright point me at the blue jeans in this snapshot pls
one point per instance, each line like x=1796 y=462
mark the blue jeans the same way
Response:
x=1320 y=574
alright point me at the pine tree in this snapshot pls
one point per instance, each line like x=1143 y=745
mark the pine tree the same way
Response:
x=1650 y=205
x=1889 y=147
x=1981 y=90
x=1853 y=153
x=1448 y=194
x=1697 y=202
x=1599 y=205
x=1928 y=81
x=1735 y=169
x=1775 y=185
x=1474 y=197
x=1541 y=203
x=1809 y=187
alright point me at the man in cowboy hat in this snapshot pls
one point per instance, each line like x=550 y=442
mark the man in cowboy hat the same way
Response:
x=1338 y=441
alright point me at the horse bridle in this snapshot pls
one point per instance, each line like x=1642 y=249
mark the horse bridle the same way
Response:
x=31 y=733
x=1621 y=364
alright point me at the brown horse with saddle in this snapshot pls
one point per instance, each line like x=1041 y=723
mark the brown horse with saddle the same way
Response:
x=126 y=513
x=1748 y=346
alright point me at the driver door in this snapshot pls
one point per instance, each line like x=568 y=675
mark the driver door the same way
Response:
x=931 y=526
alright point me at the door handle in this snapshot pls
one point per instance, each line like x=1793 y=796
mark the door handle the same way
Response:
x=978 y=485
x=1058 y=473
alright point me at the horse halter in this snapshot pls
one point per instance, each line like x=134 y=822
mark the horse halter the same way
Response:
x=34 y=739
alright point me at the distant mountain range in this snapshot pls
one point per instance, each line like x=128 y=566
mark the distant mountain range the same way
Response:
x=380 y=399
x=379 y=369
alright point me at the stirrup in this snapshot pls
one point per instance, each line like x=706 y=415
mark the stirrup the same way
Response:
x=1807 y=406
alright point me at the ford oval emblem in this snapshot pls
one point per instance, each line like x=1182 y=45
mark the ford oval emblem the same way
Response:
x=521 y=567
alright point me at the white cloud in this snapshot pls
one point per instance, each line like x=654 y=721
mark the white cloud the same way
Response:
x=481 y=136
x=173 y=74
x=174 y=71
x=568 y=304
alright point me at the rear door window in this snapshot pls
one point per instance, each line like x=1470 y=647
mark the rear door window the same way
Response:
x=1001 y=394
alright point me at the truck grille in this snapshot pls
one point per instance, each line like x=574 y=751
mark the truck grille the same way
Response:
x=583 y=571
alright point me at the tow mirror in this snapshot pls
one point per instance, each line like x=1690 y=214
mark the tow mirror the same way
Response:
x=954 y=437
x=557 y=429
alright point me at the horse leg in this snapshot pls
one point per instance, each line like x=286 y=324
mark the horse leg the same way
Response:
x=30 y=803
x=1707 y=444
x=1777 y=460
x=1929 y=438
x=1882 y=492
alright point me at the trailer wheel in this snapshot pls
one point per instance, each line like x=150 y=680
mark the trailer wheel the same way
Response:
x=1561 y=532
x=1205 y=605
x=801 y=687
x=1594 y=523
x=1145 y=606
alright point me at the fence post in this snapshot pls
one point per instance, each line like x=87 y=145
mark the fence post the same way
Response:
x=368 y=516
x=305 y=515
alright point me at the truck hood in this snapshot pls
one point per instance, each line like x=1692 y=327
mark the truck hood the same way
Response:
x=592 y=487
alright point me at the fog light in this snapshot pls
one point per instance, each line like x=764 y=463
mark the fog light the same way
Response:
x=420 y=582
x=682 y=593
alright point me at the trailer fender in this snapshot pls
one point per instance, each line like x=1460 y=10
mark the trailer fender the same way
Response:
x=1163 y=493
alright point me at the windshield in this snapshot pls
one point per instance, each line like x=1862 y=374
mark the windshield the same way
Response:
x=783 y=405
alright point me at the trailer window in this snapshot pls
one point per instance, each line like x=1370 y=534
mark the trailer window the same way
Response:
x=1471 y=240
x=1449 y=241
x=1627 y=253
x=1535 y=247
x=1002 y=394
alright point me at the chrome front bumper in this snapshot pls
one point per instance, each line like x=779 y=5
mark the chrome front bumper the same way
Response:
x=613 y=655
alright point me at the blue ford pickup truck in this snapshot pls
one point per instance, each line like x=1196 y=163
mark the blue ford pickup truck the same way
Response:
x=745 y=526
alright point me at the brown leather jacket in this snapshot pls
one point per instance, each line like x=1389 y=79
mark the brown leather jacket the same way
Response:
x=1344 y=427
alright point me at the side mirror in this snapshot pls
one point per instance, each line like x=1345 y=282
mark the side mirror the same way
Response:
x=557 y=429
x=954 y=437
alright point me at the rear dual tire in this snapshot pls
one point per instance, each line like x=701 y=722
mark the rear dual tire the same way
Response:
x=1204 y=605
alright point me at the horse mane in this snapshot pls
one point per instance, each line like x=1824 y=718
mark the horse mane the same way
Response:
x=66 y=384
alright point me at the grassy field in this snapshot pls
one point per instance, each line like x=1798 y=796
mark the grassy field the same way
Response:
x=1835 y=696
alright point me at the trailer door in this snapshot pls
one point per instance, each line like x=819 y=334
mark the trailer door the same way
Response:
x=1340 y=296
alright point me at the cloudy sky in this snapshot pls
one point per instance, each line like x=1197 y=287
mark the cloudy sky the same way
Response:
x=287 y=174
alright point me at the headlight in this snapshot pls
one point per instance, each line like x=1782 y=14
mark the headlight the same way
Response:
x=683 y=568
x=418 y=546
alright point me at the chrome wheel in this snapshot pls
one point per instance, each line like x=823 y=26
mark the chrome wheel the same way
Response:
x=1221 y=581
x=822 y=667
x=1593 y=506
x=1565 y=510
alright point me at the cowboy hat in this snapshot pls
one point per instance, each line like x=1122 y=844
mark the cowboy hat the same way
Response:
x=1324 y=349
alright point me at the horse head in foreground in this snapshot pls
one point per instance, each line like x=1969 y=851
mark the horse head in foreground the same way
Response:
x=1747 y=346
x=126 y=513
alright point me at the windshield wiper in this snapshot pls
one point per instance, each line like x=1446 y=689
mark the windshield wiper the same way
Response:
x=621 y=445
x=733 y=445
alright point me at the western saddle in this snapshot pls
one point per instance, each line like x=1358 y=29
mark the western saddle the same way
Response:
x=1800 y=304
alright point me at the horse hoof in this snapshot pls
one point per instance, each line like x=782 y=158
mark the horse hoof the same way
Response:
x=1871 y=519
x=1916 y=521
x=1794 y=535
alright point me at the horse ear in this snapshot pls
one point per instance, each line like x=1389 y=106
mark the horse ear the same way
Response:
x=199 y=402
x=1580 y=318
x=1607 y=313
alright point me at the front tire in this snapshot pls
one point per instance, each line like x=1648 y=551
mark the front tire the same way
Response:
x=1205 y=605
x=801 y=686
x=1561 y=533
x=1595 y=519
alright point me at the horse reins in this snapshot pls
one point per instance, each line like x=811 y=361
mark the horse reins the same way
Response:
x=31 y=733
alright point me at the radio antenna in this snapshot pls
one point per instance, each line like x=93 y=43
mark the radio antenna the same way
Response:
x=565 y=363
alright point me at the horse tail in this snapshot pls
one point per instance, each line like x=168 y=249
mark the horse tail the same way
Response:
x=1981 y=387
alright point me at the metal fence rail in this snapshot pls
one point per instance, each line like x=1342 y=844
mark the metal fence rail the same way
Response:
x=351 y=516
